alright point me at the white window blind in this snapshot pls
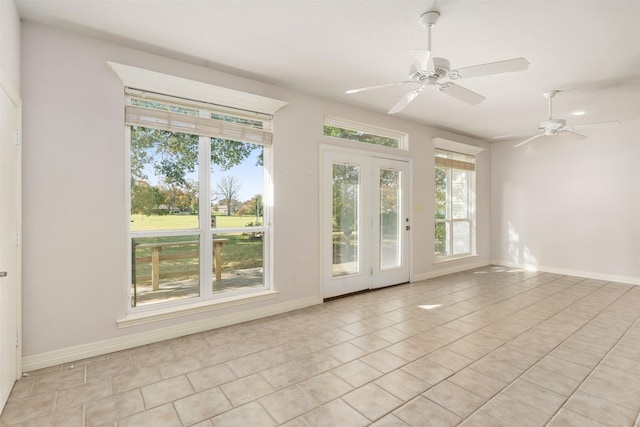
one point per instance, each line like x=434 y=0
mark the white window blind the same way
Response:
x=176 y=115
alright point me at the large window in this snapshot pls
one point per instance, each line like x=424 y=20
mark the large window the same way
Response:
x=454 y=204
x=197 y=194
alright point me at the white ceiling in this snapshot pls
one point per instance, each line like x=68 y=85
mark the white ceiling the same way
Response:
x=325 y=47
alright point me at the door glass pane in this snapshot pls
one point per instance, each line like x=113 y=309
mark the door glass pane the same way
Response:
x=390 y=221
x=461 y=238
x=345 y=228
x=164 y=269
x=164 y=180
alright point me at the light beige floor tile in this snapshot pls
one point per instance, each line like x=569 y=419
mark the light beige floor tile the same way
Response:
x=135 y=378
x=566 y=418
x=402 y=385
x=532 y=394
x=513 y=412
x=611 y=390
x=427 y=371
x=477 y=383
x=164 y=416
x=83 y=393
x=201 y=406
x=481 y=420
x=389 y=421
x=251 y=414
x=210 y=377
x=325 y=387
x=600 y=410
x=391 y=335
x=423 y=412
x=357 y=373
x=166 y=391
x=372 y=401
x=34 y=406
x=551 y=380
x=246 y=389
x=113 y=408
x=564 y=367
x=625 y=378
x=288 y=403
x=378 y=352
x=454 y=398
x=179 y=366
x=370 y=343
x=346 y=352
x=383 y=361
x=449 y=359
x=335 y=413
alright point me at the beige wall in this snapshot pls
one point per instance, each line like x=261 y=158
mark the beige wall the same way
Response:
x=75 y=255
x=570 y=206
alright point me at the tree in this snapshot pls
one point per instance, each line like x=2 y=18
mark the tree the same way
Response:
x=226 y=190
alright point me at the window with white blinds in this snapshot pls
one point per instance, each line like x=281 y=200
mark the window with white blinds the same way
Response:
x=173 y=114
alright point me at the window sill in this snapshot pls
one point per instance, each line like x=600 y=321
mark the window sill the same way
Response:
x=142 y=318
x=444 y=260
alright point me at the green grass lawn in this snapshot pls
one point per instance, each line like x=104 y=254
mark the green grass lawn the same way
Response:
x=185 y=222
x=240 y=251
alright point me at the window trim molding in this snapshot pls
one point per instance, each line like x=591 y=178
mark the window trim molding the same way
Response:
x=158 y=314
x=166 y=84
x=458 y=147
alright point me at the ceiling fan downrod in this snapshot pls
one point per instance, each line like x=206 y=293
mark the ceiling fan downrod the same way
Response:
x=428 y=20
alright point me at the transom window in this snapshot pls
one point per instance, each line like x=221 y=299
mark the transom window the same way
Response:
x=197 y=192
x=345 y=129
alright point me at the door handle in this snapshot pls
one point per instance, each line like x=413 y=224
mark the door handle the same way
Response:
x=3 y=274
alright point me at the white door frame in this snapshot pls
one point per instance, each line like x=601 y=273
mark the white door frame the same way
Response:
x=367 y=160
x=11 y=233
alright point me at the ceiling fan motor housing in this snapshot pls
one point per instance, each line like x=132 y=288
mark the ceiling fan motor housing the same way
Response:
x=441 y=67
x=552 y=126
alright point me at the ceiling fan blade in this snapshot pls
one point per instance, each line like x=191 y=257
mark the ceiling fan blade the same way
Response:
x=593 y=125
x=461 y=93
x=528 y=140
x=508 y=66
x=406 y=100
x=515 y=135
x=422 y=59
x=575 y=134
x=362 y=89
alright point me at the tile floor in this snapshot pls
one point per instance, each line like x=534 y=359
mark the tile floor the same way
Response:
x=487 y=347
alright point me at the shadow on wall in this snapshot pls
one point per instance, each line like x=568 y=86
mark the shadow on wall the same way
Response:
x=519 y=254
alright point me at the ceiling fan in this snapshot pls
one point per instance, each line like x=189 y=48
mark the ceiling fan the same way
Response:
x=427 y=70
x=551 y=126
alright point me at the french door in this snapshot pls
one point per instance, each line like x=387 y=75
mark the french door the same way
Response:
x=9 y=244
x=365 y=221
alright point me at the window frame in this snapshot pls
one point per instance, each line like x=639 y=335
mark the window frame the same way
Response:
x=454 y=147
x=229 y=101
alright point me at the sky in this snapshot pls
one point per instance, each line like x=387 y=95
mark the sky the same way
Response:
x=250 y=176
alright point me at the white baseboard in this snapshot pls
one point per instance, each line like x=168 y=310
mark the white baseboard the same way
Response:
x=449 y=270
x=70 y=354
x=629 y=280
